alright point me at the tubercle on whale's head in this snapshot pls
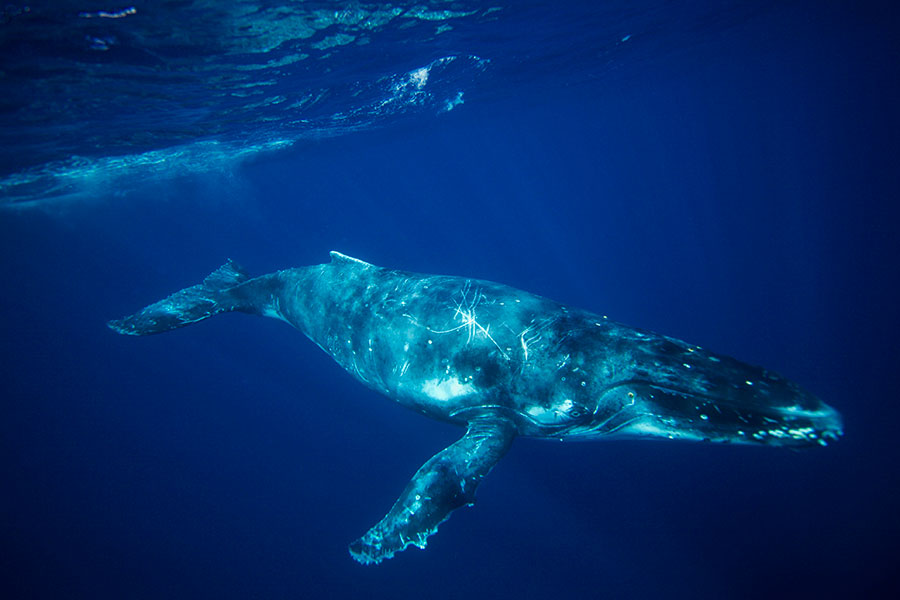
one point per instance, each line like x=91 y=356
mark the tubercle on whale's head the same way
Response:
x=792 y=418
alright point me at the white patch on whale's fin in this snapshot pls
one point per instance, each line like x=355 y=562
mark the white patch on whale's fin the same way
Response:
x=337 y=257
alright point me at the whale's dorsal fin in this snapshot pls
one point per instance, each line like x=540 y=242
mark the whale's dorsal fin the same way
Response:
x=337 y=257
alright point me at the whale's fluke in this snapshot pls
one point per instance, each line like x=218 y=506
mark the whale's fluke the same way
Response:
x=188 y=306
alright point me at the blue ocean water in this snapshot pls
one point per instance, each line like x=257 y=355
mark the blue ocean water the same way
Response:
x=721 y=172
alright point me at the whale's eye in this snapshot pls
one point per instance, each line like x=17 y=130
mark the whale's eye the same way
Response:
x=576 y=411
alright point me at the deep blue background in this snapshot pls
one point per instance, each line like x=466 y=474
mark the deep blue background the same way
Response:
x=742 y=197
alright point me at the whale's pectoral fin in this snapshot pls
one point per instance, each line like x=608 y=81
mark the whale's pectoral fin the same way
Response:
x=443 y=484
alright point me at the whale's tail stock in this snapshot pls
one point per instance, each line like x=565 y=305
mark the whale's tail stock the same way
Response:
x=215 y=295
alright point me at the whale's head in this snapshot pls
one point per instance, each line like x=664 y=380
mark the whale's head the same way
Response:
x=714 y=398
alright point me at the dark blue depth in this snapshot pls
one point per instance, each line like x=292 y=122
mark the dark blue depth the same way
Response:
x=739 y=193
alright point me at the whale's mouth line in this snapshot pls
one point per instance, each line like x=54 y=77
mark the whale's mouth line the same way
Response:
x=677 y=413
x=794 y=410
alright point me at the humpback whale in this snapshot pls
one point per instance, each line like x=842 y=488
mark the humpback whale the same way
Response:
x=502 y=363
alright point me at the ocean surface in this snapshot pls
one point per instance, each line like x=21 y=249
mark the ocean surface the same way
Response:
x=727 y=173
